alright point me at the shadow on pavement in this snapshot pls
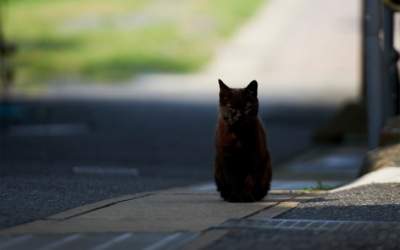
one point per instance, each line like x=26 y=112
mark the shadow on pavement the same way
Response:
x=148 y=145
x=143 y=135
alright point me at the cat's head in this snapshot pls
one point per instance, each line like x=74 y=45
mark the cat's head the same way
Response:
x=238 y=104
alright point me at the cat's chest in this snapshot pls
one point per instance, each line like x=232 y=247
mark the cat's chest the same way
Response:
x=240 y=139
x=232 y=141
x=235 y=144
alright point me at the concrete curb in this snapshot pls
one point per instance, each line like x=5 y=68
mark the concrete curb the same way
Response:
x=387 y=174
x=380 y=165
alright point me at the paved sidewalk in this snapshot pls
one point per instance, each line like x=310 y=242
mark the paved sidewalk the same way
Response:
x=189 y=218
x=165 y=218
x=361 y=215
x=366 y=217
x=193 y=217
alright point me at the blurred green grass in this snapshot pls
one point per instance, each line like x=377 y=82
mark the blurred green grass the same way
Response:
x=112 y=40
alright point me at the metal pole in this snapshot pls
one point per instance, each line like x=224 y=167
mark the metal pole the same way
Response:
x=391 y=57
x=373 y=69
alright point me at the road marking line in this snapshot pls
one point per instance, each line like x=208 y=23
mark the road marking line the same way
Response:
x=61 y=242
x=205 y=239
x=49 y=130
x=207 y=187
x=163 y=242
x=109 y=170
x=294 y=225
x=15 y=241
x=113 y=241
x=279 y=224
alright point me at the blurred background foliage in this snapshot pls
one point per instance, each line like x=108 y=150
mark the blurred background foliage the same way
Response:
x=114 y=40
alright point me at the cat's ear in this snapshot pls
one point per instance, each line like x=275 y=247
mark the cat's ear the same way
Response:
x=252 y=87
x=222 y=86
x=224 y=92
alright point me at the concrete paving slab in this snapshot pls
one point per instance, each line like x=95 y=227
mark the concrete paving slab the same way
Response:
x=163 y=212
x=276 y=210
x=297 y=192
x=94 y=206
x=280 y=197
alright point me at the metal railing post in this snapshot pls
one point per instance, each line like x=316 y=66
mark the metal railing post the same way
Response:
x=373 y=68
x=390 y=76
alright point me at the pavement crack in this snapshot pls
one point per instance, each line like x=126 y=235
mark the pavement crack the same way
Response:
x=100 y=207
x=259 y=211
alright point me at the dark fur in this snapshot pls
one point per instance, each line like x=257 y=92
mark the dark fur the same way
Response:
x=242 y=168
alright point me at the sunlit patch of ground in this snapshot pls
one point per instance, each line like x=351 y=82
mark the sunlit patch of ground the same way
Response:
x=116 y=39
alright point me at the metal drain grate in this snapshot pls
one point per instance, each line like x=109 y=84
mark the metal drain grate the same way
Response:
x=324 y=225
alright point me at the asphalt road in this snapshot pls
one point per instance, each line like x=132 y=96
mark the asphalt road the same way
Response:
x=166 y=144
